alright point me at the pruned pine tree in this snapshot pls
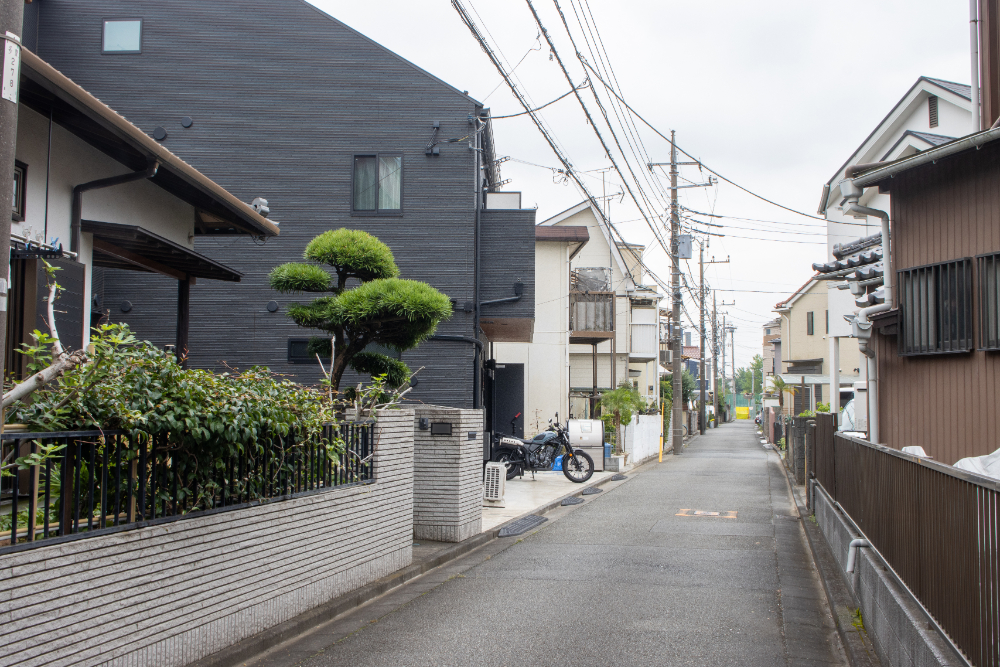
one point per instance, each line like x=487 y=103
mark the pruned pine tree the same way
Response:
x=378 y=308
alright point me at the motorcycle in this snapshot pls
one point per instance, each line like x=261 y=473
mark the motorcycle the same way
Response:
x=540 y=453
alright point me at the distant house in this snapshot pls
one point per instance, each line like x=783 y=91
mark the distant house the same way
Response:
x=613 y=317
x=92 y=193
x=805 y=348
x=772 y=347
x=277 y=99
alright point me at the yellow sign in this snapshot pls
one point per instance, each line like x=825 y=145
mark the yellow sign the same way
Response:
x=743 y=413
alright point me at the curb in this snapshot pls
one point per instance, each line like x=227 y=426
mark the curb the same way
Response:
x=857 y=646
x=253 y=647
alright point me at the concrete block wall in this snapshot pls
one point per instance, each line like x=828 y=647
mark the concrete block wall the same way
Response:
x=448 y=475
x=175 y=592
x=642 y=438
x=894 y=621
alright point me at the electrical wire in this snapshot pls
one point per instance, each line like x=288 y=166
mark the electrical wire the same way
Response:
x=707 y=168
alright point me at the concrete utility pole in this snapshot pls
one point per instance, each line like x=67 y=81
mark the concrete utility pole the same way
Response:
x=732 y=348
x=723 y=332
x=675 y=283
x=11 y=23
x=702 y=306
x=715 y=357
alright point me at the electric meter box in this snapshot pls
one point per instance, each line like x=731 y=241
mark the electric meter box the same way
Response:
x=588 y=435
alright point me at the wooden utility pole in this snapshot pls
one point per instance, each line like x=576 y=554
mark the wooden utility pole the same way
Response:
x=11 y=23
x=675 y=283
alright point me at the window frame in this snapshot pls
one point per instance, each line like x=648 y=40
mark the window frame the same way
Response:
x=379 y=213
x=943 y=344
x=300 y=360
x=986 y=344
x=142 y=31
x=18 y=213
x=810 y=323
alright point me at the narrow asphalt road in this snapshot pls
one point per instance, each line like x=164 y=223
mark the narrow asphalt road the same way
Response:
x=633 y=577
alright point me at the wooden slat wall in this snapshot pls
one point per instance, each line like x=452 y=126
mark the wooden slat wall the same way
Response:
x=173 y=593
x=948 y=404
x=282 y=96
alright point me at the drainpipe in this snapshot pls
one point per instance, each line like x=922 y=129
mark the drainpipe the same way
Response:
x=77 y=219
x=852 y=552
x=974 y=58
x=862 y=325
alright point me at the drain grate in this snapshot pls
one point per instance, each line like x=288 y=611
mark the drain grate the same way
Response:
x=619 y=477
x=591 y=490
x=572 y=500
x=522 y=525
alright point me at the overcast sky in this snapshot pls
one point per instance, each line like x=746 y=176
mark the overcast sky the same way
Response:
x=773 y=95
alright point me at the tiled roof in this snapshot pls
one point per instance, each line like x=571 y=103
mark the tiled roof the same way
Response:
x=933 y=139
x=959 y=89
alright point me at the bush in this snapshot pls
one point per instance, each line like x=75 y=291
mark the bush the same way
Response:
x=204 y=417
x=822 y=407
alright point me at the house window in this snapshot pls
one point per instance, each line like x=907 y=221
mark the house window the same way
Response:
x=989 y=301
x=828 y=321
x=122 y=36
x=932 y=111
x=935 y=307
x=298 y=352
x=20 y=189
x=810 y=324
x=378 y=184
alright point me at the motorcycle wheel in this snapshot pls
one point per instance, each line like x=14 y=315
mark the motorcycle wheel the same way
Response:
x=579 y=468
x=513 y=469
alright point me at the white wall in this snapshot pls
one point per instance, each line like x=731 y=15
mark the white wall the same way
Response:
x=642 y=438
x=73 y=161
x=546 y=358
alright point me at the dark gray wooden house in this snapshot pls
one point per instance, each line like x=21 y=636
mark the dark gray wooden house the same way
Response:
x=276 y=99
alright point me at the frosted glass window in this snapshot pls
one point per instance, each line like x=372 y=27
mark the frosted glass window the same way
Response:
x=123 y=36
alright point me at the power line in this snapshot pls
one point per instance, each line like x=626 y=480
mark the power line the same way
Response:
x=707 y=168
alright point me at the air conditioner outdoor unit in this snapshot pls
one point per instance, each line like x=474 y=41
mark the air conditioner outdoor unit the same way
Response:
x=494 y=484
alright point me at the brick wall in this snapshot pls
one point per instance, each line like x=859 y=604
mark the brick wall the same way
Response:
x=448 y=475
x=175 y=592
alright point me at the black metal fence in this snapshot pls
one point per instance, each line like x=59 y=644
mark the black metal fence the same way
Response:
x=936 y=526
x=100 y=480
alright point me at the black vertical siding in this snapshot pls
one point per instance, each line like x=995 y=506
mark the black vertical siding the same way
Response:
x=282 y=96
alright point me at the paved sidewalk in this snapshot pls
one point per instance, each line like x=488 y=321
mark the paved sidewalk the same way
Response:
x=619 y=580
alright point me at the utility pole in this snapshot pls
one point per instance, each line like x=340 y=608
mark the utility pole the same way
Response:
x=675 y=283
x=732 y=348
x=11 y=25
x=715 y=357
x=701 y=305
x=723 y=332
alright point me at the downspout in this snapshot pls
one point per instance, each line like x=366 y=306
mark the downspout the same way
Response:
x=862 y=325
x=77 y=219
x=977 y=118
x=476 y=369
x=852 y=552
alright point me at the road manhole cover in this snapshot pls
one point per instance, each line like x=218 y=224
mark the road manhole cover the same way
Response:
x=590 y=490
x=522 y=525
x=619 y=477
x=572 y=500
x=717 y=514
